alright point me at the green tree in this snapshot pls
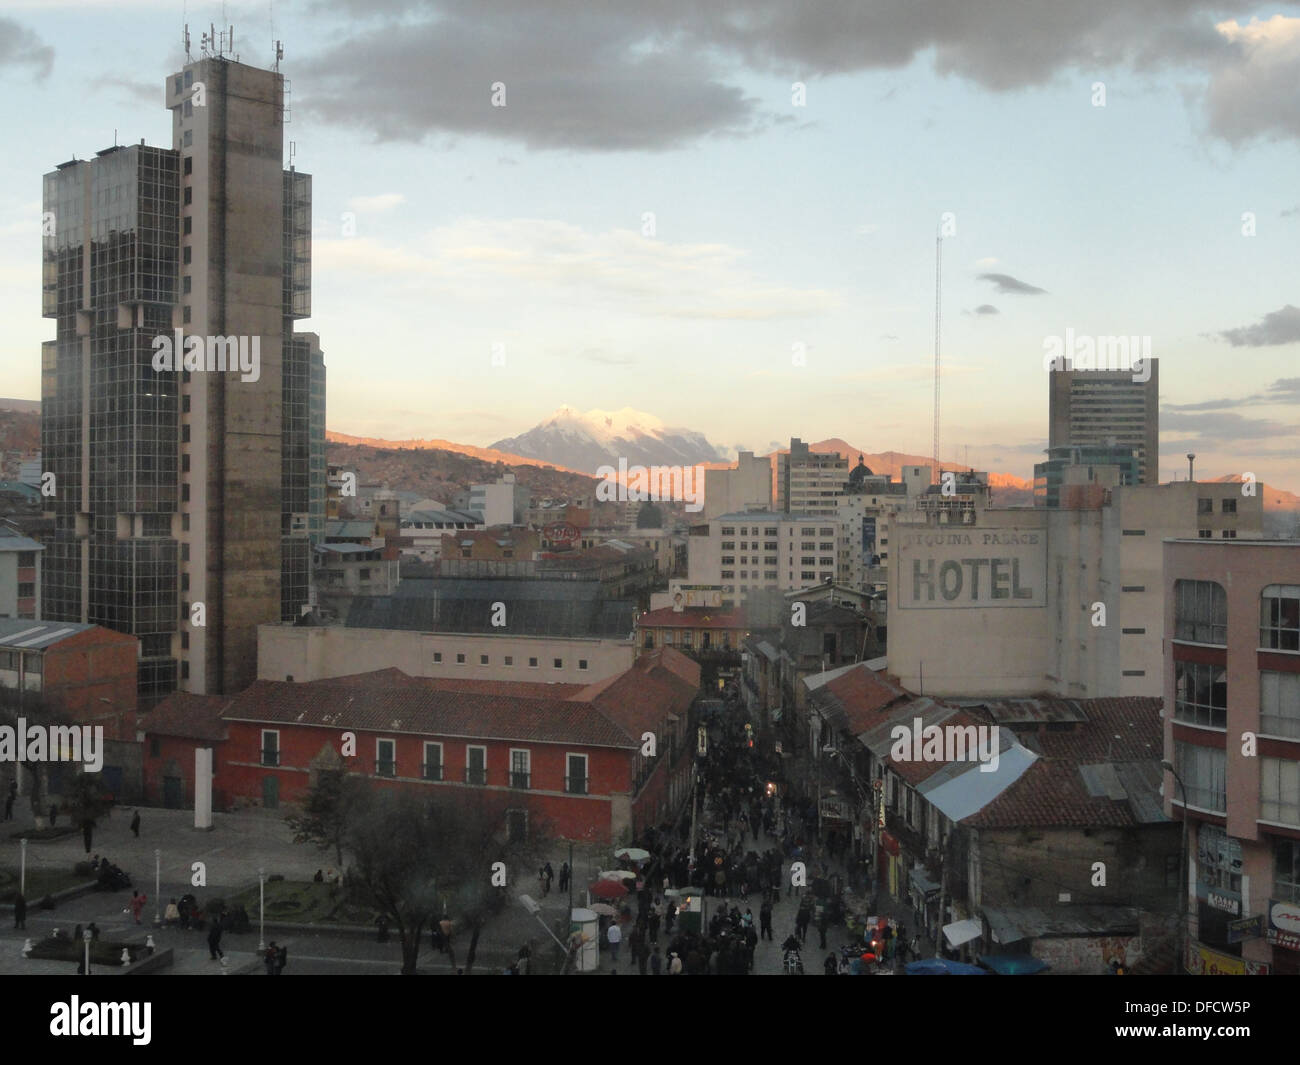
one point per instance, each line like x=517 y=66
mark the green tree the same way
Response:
x=328 y=810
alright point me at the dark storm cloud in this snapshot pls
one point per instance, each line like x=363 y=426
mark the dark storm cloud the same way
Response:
x=20 y=47
x=1009 y=284
x=1285 y=391
x=1276 y=327
x=987 y=308
x=624 y=74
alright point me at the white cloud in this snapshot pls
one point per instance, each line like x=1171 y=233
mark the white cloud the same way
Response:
x=1252 y=90
x=385 y=201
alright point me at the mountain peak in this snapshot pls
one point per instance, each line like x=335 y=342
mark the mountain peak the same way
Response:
x=587 y=440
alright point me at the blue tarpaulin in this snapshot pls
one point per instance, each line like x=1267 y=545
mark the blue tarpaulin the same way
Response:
x=1013 y=964
x=942 y=967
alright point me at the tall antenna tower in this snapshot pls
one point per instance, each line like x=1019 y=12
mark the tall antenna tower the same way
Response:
x=938 y=302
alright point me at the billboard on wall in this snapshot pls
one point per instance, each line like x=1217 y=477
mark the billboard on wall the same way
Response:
x=689 y=595
x=941 y=568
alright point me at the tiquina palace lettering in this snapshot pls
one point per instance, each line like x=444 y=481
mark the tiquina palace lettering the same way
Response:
x=973 y=577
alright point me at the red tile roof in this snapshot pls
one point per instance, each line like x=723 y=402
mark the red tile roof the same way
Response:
x=657 y=686
x=422 y=711
x=918 y=771
x=1053 y=793
x=186 y=716
x=853 y=702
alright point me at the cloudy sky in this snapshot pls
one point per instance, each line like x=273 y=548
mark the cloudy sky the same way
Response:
x=725 y=213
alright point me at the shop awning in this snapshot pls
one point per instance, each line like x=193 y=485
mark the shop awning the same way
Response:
x=922 y=883
x=960 y=932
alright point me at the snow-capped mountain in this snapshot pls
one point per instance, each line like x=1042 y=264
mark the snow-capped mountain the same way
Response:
x=587 y=441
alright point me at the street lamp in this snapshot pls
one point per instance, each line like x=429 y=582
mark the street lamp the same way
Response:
x=86 y=937
x=157 y=888
x=261 y=911
x=22 y=867
x=1186 y=923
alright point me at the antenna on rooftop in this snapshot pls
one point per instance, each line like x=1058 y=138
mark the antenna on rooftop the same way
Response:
x=938 y=298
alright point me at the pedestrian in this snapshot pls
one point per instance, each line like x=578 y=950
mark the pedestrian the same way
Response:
x=9 y=800
x=821 y=930
x=269 y=957
x=642 y=957
x=564 y=876
x=87 y=833
x=652 y=922
x=831 y=965
x=214 y=940
x=137 y=905
x=281 y=960
x=135 y=824
x=765 y=920
x=550 y=875
x=20 y=912
x=541 y=879
x=675 y=964
x=54 y=813
x=614 y=935
x=656 y=962
x=525 y=962
x=382 y=922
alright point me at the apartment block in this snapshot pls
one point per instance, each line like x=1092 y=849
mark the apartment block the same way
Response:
x=1108 y=408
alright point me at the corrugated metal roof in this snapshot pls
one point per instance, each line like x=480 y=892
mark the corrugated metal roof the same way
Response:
x=1011 y=923
x=1038 y=710
x=968 y=792
x=37 y=635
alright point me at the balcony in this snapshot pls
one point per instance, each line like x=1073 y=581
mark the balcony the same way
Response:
x=271 y=758
x=431 y=771
x=385 y=769
x=575 y=785
x=520 y=779
x=475 y=775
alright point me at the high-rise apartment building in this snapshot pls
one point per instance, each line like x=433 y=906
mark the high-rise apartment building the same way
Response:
x=178 y=405
x=808 y=482
x=1115 y=408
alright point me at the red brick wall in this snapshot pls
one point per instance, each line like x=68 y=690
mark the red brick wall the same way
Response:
x=181 y=752
x=241 y=773
x=96 y=665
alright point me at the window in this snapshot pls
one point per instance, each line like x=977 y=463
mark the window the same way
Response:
x=1133 y=632
x=189 y=80
x=1205 y=506
x=186 y=142
x=1279 y=790
x=520 y=766
x=532 y=663
x=807 y=545
x=189 y=169
x=1229 y=506
x=1229 y=534
x=364 y=574
x=176 y=85
x=185 y=518
x=386 y=758
x=1286 y=870
x=728 y=545
x=155 y=747
x=188 y=198
x=1204 y=773
x=516 y=825
x=728 y=560
x=185 y=636
x=649 y=641
x=1218 y=858
x=728 y=574
x=26 y=589
x=460 y=658
x=510 y=660
x=187 y=226
x=1279 y=704
x=1134 y=532
x=770 y=531
x=575 y=777
x=26 y=558
x=1133 y=588
x=807 y=575
x=437 y=656
x=476 y=765
x=1279 y=617
x=1205 y=534
x=687 y=638
x=1201 y=694
x=582 y=664
x=559 y=663
x=432 y=767
x=1200 y=612
x=270 y=746
x=728 y=530
x=482 y=660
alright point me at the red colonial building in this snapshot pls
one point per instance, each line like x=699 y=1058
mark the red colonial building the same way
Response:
x=587 y=762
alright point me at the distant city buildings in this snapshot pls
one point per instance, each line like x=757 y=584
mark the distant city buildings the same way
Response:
x=808 y=482
x=746 y=486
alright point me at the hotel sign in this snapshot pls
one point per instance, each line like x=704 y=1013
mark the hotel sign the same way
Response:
x=972 y=568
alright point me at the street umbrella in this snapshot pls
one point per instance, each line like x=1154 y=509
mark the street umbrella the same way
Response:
x=618 y=874
x=603 y=908
x=942 y=967
x=632 y=854
x=608 y=889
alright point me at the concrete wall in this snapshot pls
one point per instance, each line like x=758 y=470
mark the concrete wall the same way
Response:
x=748 y=485
x=306 y=653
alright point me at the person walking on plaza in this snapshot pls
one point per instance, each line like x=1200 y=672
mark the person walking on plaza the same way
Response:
x=137 y=905
x=135 y=824
x=675 y=965
x=831 y=965
x=564 y=876
x=656 y=963
x=10 y=799
x=765 y=920
x=550 y=875
x=614 y=935
x=214 y=939
x=652 y=922
x=269 y=958
x=821 y=930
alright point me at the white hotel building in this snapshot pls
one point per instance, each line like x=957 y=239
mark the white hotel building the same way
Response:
x=762 y=549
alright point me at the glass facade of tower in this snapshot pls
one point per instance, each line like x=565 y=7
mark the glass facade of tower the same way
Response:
x=109 y=282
